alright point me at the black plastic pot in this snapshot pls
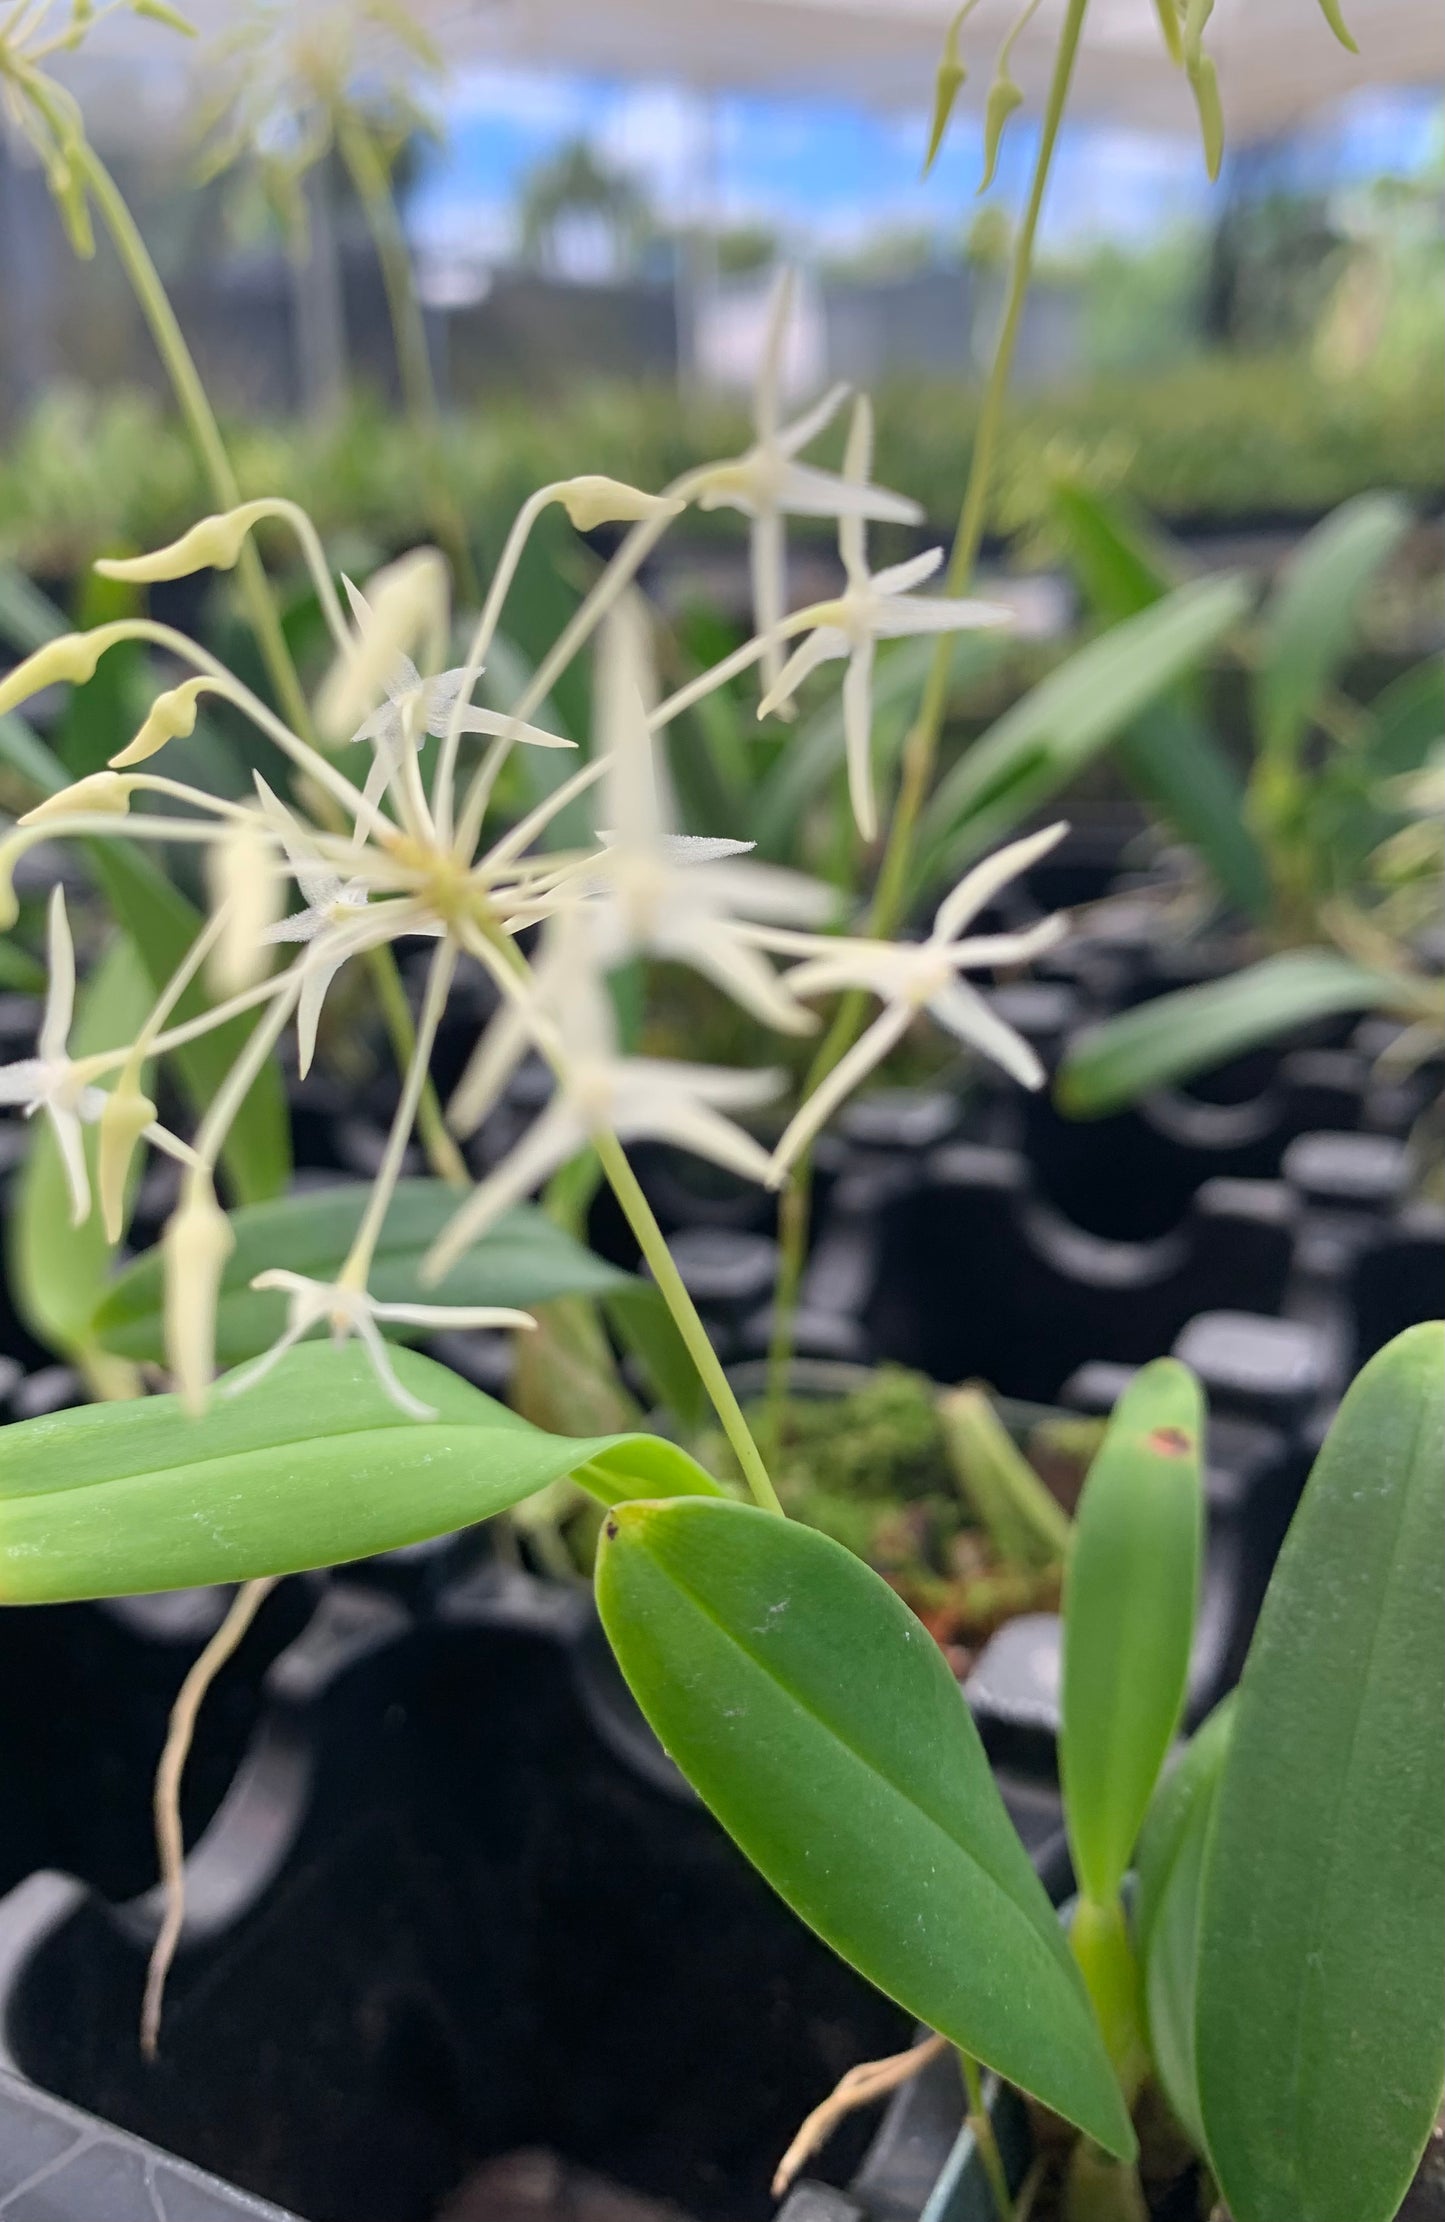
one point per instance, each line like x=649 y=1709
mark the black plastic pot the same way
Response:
x=455 y=1905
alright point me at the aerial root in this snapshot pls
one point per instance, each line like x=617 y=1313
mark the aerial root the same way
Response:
x=170 y=1844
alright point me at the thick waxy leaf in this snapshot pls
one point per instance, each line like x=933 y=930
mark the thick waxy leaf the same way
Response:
x=1319 y=2030
x=314 y=1466
x=1045 y=740
x=1309 y=626
x=525 y=1260
x=819 y=1721
x=1166 y=1915
x=1130 y=1589
x=1175 y=1036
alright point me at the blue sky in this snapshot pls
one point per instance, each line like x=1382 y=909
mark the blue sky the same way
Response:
x=827 y=175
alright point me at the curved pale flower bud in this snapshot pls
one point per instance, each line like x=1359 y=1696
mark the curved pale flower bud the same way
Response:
x=156 y=11
x=241 y=880
x=172 y=717
x=947 y=84
x=1205 y=82
x=593 y=500
x=103 y=792
x=68 y=661
x=214 y=544
x=403 y=602
x=195 y=1247
x=124 y=1120
x=1168 y=14
x=1330 y=10
x=1003 y=98
x=11 y=851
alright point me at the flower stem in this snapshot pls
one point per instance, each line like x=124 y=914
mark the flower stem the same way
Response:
x=363 y=1248
x=446 y=1159
x=921 y=748
x=201 y=422
x=368 y=175
x=652 y=1242
x=443 y=1156
x=980 y=2121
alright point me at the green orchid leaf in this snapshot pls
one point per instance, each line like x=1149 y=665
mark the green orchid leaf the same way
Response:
x=1319 y=2031
x=1166 y=1912
x=1130 y=1592
x=1310 y=622
x=1173 y=1037
x=640 y=1319
x=819 y=1721
x=1170 y=754
x=525 y=1260
x=21 y=973
x=163 y=923
x=1042 y=743
x=315 y=1466
x=57 y=1272
x=1028 y=1525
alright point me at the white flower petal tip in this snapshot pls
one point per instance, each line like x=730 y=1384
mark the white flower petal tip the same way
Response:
x=345 y=1311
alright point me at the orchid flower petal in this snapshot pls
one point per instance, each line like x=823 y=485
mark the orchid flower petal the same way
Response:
x=871 y=1047
x=60 y=997
x=963 y=1011
x=977 y=889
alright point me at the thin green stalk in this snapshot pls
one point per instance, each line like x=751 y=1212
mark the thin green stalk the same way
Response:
x=413 y=357
x=444 y=1157
x=921 y=748
x=200 y=419
x=180 y=366
x=980 y=2122
x=653 y=1245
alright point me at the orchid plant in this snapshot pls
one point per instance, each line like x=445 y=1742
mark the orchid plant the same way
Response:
x=415 y=851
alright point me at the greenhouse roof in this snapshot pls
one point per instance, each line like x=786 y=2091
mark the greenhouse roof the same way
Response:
x=1278 y=62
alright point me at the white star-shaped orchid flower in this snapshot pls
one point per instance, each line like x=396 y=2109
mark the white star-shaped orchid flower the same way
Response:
x=416 y=707
x=874 y=606
x=680 y=896
x=50 y=1081
x=334 y=908
x=351 y=1311
x=768 y=483
x=569 y=1015
x=909 y=977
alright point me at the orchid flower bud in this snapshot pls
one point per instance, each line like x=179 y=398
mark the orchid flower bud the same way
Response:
x=172 y=716
x=156 y=11
x=405 y=600
x=124 y=1120
x=241 y=879
x=1330 y=10
x=103 y=792
x=1205 y=81
x=593 y=500
x=11 y=851
x=1003 y=98
x=1168 y=14
x=214 y=544
x=195 y=1246
x=947 y=84
x=67 y=661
